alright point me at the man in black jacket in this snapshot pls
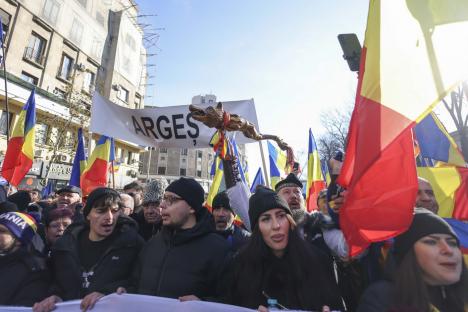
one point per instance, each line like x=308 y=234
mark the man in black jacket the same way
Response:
x=93 y=258
x=224 y=220
x=185 y=259
x=24 y=275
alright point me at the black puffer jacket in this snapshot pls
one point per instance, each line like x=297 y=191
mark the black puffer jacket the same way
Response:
x=235 y=236
x=183 y=262
x=112 y=270
x=24 y=278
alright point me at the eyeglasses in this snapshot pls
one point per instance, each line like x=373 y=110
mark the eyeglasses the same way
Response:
x=170 y=199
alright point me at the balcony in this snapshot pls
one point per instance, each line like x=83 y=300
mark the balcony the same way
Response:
x=34 y=56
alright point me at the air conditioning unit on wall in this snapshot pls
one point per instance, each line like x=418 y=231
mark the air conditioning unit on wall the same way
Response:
x=116 y=87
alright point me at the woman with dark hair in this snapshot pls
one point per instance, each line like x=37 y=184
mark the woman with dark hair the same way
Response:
x=430 y=274
x=278 y=264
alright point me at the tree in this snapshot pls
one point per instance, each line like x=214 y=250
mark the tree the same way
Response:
x=459 y=112
x=336 y=124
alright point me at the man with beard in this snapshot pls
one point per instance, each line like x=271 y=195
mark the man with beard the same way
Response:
x=92 y=258
x=425 y=197
x=149 y=219
x=186 y=258
x=224 y=220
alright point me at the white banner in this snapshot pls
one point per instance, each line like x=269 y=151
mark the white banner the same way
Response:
x=171 y=126
x=137 y=303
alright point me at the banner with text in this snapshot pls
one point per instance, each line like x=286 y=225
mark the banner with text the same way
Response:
x=137 y=303
x=171 y=126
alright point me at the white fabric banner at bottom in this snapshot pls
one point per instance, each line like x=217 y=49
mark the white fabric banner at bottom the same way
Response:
x=141 y=303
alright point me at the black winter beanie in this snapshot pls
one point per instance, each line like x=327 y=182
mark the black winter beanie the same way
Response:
x=221 y=200
x=262 y=200
x=189 y=190
x=21 y=199
x=424 y=223
x=97 y=194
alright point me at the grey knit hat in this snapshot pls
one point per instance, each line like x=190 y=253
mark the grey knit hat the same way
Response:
x=154 y=191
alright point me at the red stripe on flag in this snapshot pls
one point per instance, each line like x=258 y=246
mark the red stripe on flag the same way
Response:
x=314 y=191
x=379 y=173
x=12 y=157
x=460 y=211
x=24 y=164
x=95 y=177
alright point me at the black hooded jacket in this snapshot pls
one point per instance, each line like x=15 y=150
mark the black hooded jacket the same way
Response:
x=24 y=278
x=182 y=262
x=112 y=270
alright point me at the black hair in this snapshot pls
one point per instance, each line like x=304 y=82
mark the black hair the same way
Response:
x=134 y=185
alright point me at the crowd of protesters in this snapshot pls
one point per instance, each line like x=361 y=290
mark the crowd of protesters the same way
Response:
x=161 y=240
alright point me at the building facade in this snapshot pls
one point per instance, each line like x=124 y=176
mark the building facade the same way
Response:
x=172 y=163
x=68 y=49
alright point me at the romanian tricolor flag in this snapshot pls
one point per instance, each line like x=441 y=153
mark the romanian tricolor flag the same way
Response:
x=461 y=229
x=436 y=143
x=79 y=162
x=408 y=64
x=277 y=164
x=219 y=143
x=315 y=178
x=95 y=174
x=218 y=172
x=20 y=150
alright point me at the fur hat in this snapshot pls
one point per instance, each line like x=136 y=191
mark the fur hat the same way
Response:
x=262 y=200
x=291 y=180
x=21 y=225
x=154 y=191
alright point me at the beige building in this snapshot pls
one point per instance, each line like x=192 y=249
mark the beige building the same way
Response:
x=68 y=49
x=172 y=163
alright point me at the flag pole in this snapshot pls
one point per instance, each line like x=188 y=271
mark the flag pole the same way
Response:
x=148 y=165
x=113 y=174
x=6 y=90
x=267 y=180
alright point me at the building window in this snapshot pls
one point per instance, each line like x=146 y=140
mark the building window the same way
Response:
x=60 y=93
x=3 y=122
x=51 y=10
x=184 y=160
x=35 y=49
x=162 y=170
x=199 y=154
x=137 y=101
x=130 y=158
x=5 y=23
x=76 y=31
x=66 y=67
x=184 y=151
x=183 y=172
x=122 y=94
x=163 y=150
x=199 y=173
x=162 y=158
x=29 y=78
x=96 y=48
x=41 y=133
x=89 y=81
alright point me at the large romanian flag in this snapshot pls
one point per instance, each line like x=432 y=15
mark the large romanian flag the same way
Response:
x=79 y=162
x=315 y=178
x=96 y=173
x=408 y=64
x=20 y=150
